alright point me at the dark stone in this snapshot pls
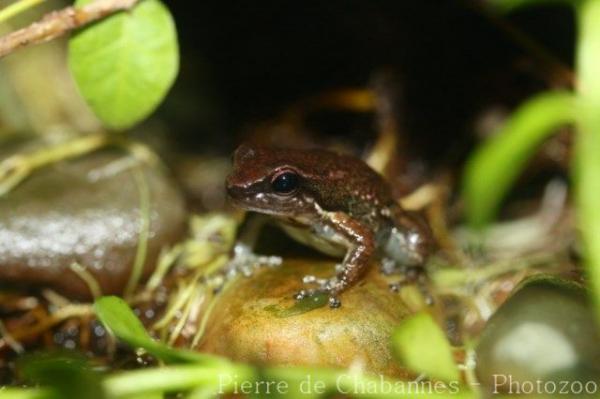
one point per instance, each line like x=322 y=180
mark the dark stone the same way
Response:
x=546 y=332
x=85 y=210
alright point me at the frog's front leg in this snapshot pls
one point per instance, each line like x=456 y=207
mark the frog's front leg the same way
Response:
x=360 y=243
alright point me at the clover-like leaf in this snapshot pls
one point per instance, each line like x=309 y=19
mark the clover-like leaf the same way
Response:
x=125 y=64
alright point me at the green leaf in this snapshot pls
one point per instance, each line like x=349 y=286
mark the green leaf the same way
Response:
x=66 y=373
x=125 y=64
x=421 y=346
x=177 y=378
x=496 y=164
x=118 y=317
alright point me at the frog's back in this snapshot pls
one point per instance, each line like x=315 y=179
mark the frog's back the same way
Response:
x=341 y=182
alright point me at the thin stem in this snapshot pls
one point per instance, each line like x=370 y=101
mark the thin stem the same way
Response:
x=16 y=8
x=88 y=278
x=144 y=232
x=57 y=23
x=16 y=168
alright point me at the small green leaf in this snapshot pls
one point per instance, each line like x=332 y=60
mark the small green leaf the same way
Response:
x=67 y=374
x=496 y=164
x=421 y=345
x=118 y=317
x=125 y=64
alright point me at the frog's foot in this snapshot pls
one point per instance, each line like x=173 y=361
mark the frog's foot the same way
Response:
x=414 y=275
x=246 y=262
x=324 y=285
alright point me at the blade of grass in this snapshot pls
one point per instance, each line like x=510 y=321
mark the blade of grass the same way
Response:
x=494 y=167
x=176 y=378
x=144 y=232
x=587 y=146
x=116 y=315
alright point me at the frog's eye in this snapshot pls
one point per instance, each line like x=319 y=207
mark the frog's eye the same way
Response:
x=285 y=182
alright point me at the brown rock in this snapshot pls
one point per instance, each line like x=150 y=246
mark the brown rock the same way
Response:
x=87 y=211
x=256 y=320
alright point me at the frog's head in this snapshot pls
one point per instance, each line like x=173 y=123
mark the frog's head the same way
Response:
x=265 y=180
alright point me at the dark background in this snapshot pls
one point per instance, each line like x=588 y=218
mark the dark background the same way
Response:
x=243 y=62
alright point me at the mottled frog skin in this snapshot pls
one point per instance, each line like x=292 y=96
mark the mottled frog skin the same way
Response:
x=334 y=203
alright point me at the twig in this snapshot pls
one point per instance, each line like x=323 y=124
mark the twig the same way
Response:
x=57 y=23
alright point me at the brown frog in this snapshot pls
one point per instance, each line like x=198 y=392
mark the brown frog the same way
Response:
x=334 y=203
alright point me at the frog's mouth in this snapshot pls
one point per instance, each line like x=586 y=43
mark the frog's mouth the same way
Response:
x=258 y=202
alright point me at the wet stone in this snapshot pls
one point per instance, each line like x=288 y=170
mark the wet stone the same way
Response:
x=544 y=332
x=257 y=320
x=87 y=211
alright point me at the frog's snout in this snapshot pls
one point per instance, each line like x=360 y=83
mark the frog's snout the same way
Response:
x=236 y=191
x=233 y=191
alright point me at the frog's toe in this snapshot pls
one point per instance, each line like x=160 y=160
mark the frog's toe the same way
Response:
x=302 y=294
x=334 y=302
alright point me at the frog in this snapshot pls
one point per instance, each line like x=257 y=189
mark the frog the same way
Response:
x=336 y=204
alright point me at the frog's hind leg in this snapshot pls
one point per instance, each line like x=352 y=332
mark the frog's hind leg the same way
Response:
x=413 y=275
